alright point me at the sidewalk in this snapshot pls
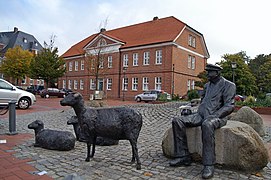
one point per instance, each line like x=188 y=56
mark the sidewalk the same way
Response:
x=18 y=167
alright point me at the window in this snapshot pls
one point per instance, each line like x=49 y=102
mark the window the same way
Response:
x=192 y=41
x=158 y=83
x=24 y=40
x=193 y=84
x=158 y=57
x=82 y=64
x=135 y=59
x=64 y=84
x=92 y=84
x=125 y=84
x=110 y=61
x=38 y=82
x=146 y=58
x=70 y=84
x=70 y=66
x=125 y=60
x=76 y=65
x=42 y=82
x=31 y=81
x=134 y=84
x=24 y=80
x=109 y=84
x=101 y=63
x=81 y=84
x=145 y=83
x=191 y=63
x=75 y=84
x=188 y=85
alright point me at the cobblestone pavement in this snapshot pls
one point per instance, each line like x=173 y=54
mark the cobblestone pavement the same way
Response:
x=113 y=162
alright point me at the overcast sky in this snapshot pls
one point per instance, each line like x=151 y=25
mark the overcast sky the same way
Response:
x=228 y=26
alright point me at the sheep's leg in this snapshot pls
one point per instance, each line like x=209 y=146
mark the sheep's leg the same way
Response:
x=93 y=146
x=88 y=151
x=135 y=154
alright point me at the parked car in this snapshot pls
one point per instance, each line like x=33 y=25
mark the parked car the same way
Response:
x=52 y=92
x=10 y=92
x=34 y=89
x=67 y=91
x=151 y=95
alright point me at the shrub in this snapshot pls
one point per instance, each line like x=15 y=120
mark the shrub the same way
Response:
x=162 y=97
x=175 y=97
x=193 y=94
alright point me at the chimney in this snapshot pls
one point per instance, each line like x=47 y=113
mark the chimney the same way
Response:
x=155 y=18
x=102 y=30
x=15 y=29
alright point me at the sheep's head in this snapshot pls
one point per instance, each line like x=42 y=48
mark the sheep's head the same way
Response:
x=38 y=124
x=72 y=99
x=72 y=120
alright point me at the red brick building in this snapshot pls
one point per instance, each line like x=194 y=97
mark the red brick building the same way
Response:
x=162 y=54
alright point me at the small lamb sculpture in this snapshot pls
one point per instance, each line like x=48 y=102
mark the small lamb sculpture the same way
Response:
x=119 y=123
x=52 y=139
x=101 y=141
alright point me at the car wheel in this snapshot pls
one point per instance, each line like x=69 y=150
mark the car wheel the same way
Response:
x=138 y=99
x=47 y=96
x=24 y=103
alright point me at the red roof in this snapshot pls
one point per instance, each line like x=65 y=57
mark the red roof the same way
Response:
x=150 y=32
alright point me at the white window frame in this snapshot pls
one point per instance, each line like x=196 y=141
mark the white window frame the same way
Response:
x=158 y=83
x=135 y=59
x=158 y=57
x=76 y=65
x=188 y=85
x=92 y=84
x=145 y=83
x=125 y=84
x=82 y=65
x=125 y=60
x=134 y=84
x=31 y=81
x=81 y=84
x=75 y=84
x=193 y=62
x=109 y=61
x=64 y=83
x=70 y=84
x=146 y=58
x=189 y=60
x=193 y=84
x=42 y=82
x=70 y=66
x=109 y=83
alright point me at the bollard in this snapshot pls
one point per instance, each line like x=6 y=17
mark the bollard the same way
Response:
x=12 y=117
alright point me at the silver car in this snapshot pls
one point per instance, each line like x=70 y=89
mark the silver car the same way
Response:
x=10 y=92
x=151 y=95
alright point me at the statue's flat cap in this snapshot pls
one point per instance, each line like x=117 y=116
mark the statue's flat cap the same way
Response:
x=212 y=67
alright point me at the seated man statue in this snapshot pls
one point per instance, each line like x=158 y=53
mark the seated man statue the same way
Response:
x=217 y=102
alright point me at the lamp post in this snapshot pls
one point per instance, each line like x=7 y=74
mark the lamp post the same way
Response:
x=233 y=67
x=123 y=90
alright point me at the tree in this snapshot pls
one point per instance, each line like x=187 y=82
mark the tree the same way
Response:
x=203 y=79
x=47 y=65
x=244 y=79
x=16 y=63
x=260 y=67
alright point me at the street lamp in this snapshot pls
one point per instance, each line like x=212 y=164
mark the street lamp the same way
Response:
x=233 y=67
x=123 y=90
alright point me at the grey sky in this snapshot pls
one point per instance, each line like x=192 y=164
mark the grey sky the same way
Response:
x=228 y=26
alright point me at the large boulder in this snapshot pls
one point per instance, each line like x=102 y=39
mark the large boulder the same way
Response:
x=238 y=146
x=250 y=117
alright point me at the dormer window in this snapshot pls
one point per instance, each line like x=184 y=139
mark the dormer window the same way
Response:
x=24 y=40
x=36 y=44
x=102 y=42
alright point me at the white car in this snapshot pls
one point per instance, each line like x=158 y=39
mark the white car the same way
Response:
x=151 y=95
x=10 y=92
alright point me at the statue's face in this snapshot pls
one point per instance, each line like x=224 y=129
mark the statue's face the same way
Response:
x=212 y=75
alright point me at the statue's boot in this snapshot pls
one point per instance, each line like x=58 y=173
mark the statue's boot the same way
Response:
x=185 y=160
x=208 y=172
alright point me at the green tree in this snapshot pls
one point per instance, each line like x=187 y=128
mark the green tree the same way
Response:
x=16 y=63
x=47 y=65
x=244 y=79
x=260 y=67
x=202 y=79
